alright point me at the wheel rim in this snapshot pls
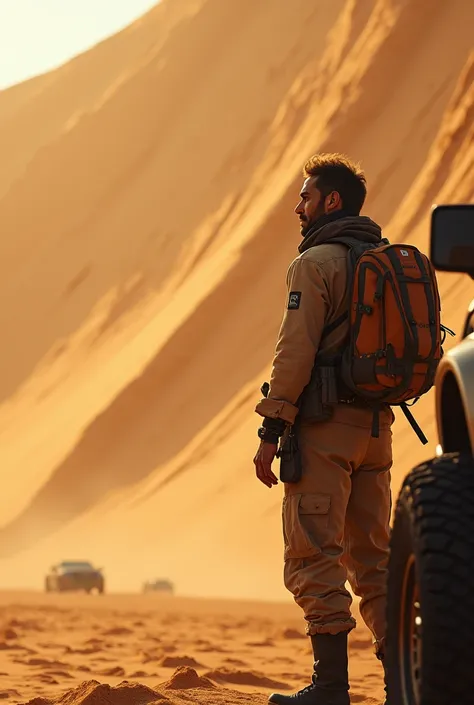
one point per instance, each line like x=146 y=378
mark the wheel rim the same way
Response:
x=410 y=637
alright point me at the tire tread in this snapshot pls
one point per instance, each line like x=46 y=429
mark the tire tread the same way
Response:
x=437 y=499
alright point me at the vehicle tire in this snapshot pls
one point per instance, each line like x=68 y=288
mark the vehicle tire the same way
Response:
x=430 y=600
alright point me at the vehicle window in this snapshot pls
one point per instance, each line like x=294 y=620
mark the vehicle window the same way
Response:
x=76 y=565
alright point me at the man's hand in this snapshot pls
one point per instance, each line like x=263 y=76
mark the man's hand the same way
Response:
x=263 y=463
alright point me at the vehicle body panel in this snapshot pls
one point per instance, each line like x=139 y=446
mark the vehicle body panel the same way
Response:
x=74 y=575
x=455 y=397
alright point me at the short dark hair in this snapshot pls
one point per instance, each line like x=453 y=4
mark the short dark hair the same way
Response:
x=336 y=172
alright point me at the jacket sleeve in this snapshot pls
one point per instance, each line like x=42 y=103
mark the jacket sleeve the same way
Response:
x=298 y=341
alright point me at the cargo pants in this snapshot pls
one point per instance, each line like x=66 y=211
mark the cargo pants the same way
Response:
x=336 y=521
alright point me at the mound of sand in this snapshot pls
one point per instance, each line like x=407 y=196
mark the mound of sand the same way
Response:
x=95 y=693
x=240 y=677
x=186 y=678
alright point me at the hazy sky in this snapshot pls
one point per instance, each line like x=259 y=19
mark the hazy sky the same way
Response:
x=37 y=35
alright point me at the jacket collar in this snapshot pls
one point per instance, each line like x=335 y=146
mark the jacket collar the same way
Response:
x=340 y=224
x=324 y=220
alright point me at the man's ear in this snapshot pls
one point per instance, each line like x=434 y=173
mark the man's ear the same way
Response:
x=333 y=202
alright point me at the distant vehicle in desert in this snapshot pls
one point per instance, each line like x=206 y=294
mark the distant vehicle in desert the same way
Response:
x=158 y=586
x=74 y=575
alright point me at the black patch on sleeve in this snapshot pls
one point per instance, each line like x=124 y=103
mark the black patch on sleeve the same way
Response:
x=294 y=300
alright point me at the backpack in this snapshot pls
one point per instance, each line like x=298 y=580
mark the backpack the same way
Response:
x=395 y=336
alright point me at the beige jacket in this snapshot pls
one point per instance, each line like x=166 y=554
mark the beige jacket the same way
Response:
x=317 y=283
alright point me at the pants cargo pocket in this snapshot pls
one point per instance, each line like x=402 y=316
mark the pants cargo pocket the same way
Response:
x=305 y=524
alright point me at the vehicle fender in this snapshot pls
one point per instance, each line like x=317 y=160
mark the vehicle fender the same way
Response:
x=455 y=398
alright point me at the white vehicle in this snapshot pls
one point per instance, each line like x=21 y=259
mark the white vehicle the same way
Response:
x=74 y=575
x=430 y=616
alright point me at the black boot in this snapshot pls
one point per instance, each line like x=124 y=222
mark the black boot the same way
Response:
x=330 y=684
x=386 y=701
x=380 y=654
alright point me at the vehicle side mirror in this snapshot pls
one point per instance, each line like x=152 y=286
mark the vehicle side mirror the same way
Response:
x=452 y=238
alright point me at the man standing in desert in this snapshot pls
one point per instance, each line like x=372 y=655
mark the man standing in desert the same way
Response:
x=336 y=505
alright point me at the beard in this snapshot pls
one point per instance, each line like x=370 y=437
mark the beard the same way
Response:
x=304 y=226
x=306 y=223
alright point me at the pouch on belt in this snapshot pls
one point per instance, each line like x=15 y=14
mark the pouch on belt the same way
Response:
x=320 y=394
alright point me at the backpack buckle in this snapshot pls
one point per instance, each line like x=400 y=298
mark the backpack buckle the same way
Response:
x=364 y=308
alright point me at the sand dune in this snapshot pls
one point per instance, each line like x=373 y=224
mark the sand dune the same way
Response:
x=147 y=220
x=146 y=209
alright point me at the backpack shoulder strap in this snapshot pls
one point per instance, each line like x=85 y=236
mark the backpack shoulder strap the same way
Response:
x=355 y=249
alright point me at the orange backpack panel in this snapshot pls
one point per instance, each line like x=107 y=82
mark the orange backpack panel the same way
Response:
x=395 y=333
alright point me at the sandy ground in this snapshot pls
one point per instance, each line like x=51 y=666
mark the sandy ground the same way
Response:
x=75 y=649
